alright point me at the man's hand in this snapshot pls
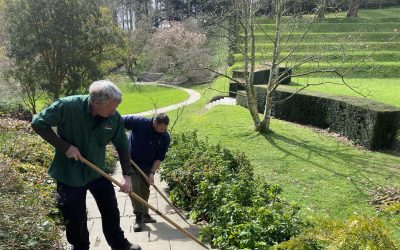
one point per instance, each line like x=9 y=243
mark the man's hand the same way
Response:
x=73 y=152
x=126 y=184
x=151 y=178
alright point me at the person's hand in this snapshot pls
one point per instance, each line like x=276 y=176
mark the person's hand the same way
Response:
x=73 y=152
x=126 y=184
x=151 y=178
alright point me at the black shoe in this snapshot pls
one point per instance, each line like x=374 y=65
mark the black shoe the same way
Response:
x=148 y=219
x=138 y=226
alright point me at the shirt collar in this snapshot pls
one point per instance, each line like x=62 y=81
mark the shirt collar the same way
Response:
x=87 y=107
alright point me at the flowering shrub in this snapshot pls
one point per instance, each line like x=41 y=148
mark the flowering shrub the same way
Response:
x=180 y=51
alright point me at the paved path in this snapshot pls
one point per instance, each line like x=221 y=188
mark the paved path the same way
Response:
x=157 y=236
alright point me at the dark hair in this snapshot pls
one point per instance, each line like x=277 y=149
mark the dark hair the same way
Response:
x=161 y=118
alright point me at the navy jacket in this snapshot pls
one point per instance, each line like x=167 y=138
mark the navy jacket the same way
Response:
x=145 y=144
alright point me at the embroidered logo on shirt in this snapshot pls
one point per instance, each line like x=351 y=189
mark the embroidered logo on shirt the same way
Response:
x=108 y=127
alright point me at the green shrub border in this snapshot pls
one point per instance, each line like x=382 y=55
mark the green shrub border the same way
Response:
x=218 y=187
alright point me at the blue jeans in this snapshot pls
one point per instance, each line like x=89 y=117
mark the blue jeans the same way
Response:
x=72 y=203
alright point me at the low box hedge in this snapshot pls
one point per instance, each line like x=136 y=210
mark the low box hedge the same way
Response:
x=261 y=77
x=368 y=123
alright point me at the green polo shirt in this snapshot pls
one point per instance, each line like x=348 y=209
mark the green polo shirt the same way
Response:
x=76 y=125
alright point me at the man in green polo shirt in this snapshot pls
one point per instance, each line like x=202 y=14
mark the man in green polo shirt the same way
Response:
x=85 y=125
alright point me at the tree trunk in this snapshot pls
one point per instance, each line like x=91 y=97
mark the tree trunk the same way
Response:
x=249 y=69
x=321 y=9
x=274 y=71
x=353 y=9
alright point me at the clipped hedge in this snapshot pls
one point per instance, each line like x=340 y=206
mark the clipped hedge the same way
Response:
x=261 y=76
x=368 y=123
x=218 y=186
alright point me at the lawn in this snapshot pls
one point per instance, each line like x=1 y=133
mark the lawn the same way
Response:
x=138 y=98
x=382 y=90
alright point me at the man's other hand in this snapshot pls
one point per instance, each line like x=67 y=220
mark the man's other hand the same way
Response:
x=73 y=152
x=126 y=184
x=151 y=178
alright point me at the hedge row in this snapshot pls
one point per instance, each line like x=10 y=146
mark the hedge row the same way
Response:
x=367 y=123
x=219 y=187
x=261 y=76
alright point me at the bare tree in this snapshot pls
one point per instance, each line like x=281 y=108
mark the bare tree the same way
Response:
x=321 y=9
x=136 y=43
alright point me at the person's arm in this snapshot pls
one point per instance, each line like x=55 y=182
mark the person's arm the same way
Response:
x=160 y=156
x=120 y=142
x=48 y=118
x=51 y=137
x=130 y=121
x=156 y=165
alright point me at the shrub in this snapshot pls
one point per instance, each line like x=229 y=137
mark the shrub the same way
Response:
x=24 y=190
x=179 y=50
x=14 y=108
x=29 y=148
x=354 y=233
x=218 y=186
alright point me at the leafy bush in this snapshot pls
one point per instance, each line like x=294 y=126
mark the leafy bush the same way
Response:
x=111 y=159
x=29 y=148
x=218 y=186
x=179 y=50
x=14 y=108
x=26 y=189
x=354 y=233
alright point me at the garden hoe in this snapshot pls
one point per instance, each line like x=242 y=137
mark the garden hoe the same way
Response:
x=136 y=197
x=159 y=191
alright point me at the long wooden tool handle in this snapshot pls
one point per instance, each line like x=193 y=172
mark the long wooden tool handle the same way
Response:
x=159 y=191
x=136 y=197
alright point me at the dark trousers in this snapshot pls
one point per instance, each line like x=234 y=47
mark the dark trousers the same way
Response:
x=141 y=188
x=72 y=203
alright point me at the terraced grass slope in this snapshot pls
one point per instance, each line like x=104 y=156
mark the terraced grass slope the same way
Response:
x=336 y=41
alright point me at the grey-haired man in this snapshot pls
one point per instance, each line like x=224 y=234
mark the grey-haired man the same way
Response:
x=85 y=125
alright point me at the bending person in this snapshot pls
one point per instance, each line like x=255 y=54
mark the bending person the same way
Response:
x=149 y=141
x=85 y=125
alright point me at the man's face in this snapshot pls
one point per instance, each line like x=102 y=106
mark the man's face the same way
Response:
x=160 y=128
x=104 y=109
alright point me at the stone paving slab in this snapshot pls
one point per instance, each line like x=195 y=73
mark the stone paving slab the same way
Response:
x=160 y=235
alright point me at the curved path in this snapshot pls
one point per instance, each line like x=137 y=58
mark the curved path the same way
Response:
x=157 y=236
x=194 y=96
